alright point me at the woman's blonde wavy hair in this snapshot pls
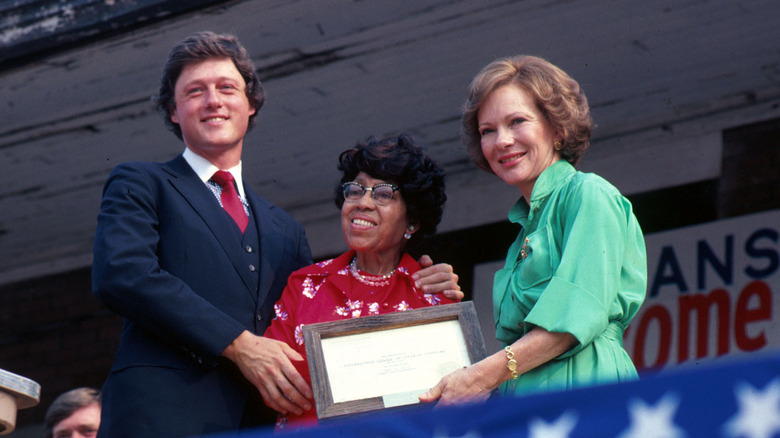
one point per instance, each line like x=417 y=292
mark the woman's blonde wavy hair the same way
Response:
x=555 y=93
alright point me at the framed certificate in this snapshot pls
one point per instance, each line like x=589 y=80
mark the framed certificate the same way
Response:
x=386 y=361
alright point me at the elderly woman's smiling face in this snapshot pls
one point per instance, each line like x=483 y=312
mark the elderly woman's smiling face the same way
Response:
x=372 y=228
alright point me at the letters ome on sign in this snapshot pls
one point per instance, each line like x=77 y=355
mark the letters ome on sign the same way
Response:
x=713 y=290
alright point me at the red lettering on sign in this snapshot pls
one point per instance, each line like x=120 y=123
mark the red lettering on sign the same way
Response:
x=753 y=304
x=660 y=314
x=745 y=315
x=700 y=305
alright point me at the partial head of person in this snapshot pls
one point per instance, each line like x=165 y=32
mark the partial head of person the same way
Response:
x=390 y=192
x=75 y=413
x=202 y=47
x=548 y=90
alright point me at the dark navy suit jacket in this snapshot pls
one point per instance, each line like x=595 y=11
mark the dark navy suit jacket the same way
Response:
x=170 y=261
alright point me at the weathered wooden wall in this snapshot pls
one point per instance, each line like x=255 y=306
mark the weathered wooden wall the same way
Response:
x=664 y=79
x=34 y=29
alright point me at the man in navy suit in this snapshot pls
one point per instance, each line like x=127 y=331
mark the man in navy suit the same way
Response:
x=195 y=286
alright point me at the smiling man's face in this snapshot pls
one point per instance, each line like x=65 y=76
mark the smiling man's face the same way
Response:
x=212 y=107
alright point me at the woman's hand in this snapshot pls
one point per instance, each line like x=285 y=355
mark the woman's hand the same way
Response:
x=475 y=383
x=468 y=384
x=434 y=279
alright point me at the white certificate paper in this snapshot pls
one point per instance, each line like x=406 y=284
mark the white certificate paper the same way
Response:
x=396 y=364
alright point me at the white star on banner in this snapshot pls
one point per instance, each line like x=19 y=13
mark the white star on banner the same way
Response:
x=560 y=428
x=759 y=411
x=653 y=421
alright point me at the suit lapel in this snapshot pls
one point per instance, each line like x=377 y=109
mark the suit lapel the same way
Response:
x=205 y=204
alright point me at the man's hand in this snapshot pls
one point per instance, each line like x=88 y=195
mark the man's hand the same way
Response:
x=266 y=363
x=434 y=279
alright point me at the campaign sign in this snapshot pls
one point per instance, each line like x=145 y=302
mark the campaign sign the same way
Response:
x=713 y=291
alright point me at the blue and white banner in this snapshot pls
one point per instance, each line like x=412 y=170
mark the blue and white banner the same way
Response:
x=734 y=400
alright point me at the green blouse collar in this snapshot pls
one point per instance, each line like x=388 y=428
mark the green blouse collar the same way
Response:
x=548 y=180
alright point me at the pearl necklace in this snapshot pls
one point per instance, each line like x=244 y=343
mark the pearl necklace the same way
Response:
x=370 y=280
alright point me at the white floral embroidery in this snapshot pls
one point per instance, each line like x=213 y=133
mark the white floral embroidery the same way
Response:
x=353 y=307
x=432 y=299
x=343 y=271
x=356 y=307
x=280 y=312
x=299 y=334
x=309 y=288
x=373 y=308
x=402 y=306
x=324 y=263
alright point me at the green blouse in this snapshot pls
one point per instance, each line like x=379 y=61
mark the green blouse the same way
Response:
x=578 y=266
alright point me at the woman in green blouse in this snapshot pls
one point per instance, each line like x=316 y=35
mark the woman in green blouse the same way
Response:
x=577 y=272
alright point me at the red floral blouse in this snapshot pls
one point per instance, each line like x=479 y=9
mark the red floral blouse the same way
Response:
x=329 y=291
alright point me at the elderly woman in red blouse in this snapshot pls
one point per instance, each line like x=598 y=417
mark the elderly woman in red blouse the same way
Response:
x=391 y=194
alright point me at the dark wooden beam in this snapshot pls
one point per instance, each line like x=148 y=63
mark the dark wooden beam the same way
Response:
x=30 y=29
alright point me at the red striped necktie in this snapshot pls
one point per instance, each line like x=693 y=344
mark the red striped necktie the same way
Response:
x=230 y=201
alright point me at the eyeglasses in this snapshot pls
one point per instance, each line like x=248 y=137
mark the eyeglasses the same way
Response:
x=382 y=194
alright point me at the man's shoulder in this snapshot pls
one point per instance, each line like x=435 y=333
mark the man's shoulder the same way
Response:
x=147 y=175
x=152 y=166
x=150 y=169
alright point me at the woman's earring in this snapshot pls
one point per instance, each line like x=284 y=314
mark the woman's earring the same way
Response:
x=408 y=234
x=557 y=145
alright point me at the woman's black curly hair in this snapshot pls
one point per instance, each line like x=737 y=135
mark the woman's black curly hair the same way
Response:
x=403 y=162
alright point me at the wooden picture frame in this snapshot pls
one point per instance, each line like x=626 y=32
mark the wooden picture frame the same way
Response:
x=414 y=347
